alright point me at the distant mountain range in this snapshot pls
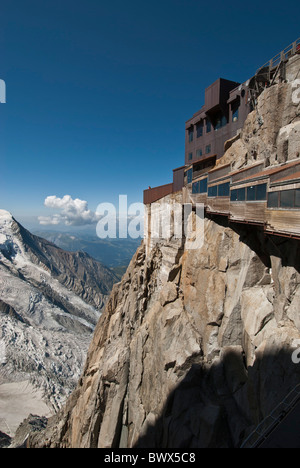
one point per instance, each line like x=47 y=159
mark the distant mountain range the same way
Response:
x=50 y=302
x=115 y=253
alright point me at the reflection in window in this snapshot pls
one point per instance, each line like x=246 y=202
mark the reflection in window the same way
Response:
x=207 y=149
x=199 y=153
x=191 y=134
x=208 y=126
x=190 y=156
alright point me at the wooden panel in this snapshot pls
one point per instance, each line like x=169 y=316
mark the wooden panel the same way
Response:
x=256 y=211
x=283 y=220
x=237 y=210
x=218 y=205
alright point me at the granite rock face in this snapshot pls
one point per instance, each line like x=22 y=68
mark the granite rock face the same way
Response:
x=194 y=361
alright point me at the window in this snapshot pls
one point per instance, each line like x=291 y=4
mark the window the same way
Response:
x=223 y=190
x=234 y=195
x=203 y=186
x=238 y=194
x=207 y=149
x=189 y=176
x=284 y=199
x=235 y=111
x=195 y=187
x=208 y=126
x=261 y=192
x=213 y=191
x=241 y=194
x=199 y=153
x=297 y=198
x=221 y=121
x=273 y=199
x=190 y=156
x=191 y=134
x=287 y=198
x=199 y=129
x=251 y=193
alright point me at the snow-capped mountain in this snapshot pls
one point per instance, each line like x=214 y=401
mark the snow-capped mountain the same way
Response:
x=50 y=301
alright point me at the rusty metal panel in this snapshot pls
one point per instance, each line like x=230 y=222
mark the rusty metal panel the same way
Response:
x=178 y=178
x=153 y=194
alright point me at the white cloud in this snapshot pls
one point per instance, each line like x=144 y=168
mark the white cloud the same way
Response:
x=72 y=212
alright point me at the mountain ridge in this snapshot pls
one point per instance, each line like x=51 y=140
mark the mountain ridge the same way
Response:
x=50 y=302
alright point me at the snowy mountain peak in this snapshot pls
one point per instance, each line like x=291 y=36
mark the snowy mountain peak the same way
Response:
x=50 y=302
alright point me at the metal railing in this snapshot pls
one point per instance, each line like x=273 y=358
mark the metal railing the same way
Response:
x=284 y=55
x=267 y=426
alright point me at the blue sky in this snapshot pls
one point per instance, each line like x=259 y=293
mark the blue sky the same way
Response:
x=98 y=92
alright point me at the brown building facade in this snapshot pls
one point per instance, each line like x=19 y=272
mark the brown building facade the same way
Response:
x=226 y=107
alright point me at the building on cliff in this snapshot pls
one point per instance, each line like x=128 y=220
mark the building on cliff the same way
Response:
x=262 y=189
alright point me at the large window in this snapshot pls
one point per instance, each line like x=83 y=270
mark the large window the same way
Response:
x=224 y=190
x=257 y=192
x=252 y=193
x=213 y=191
x=200 y=186
x=286 y=199
x=238 y=194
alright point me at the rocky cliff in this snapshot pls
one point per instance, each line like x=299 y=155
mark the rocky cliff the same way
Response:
x=195 y=346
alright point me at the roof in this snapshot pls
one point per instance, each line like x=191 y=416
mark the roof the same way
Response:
x=294 y=176
x=270 y=171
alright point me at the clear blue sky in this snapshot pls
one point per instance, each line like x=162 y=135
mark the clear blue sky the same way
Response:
x=98 y=92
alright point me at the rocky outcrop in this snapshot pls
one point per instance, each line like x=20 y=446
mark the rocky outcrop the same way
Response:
x=195 y=360
x=271 y=132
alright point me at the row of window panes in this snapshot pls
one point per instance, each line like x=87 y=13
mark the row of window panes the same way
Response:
x=199 y=130
x=199 y=152
x=221 y=190
x=253 y=193
x=200 y=186
x=284 y=199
